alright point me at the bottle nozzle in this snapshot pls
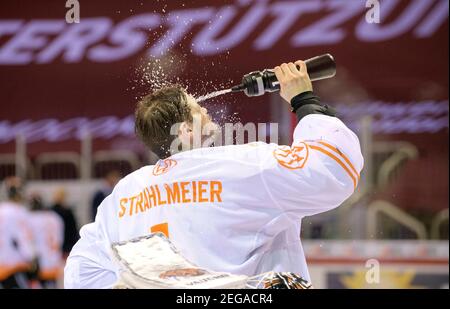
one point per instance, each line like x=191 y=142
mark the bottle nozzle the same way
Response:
x=238 y=88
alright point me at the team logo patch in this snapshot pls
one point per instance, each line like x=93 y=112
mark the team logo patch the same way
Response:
x=292 y=157
x=163 y=166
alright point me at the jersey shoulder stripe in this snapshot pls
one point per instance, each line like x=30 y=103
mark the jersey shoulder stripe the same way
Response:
x=338 y=156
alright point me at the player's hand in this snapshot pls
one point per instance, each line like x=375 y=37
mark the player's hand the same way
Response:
x=293 y=81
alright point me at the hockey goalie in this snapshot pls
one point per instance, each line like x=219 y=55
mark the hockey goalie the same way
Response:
x=234 y=209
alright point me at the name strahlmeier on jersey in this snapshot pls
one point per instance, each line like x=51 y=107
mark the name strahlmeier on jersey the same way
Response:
x=226 y=298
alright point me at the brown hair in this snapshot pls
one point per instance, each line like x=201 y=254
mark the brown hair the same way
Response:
x=156 y=113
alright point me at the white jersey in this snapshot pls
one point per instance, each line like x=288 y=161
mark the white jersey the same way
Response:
x=16 y=239
x=234 y=208
x=48 y=234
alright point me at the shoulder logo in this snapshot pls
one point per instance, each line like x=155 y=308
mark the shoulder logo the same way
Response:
x=163 y=166
x=292 y=157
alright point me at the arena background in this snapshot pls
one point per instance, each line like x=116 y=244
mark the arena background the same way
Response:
x=68 y=93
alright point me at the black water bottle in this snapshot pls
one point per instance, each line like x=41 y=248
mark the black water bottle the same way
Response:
x=257 y=83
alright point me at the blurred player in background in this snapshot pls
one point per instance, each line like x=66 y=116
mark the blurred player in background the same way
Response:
x=64 y=211
x=16 y=238
x=48 y=235
x=109 y=182
x=235 y=208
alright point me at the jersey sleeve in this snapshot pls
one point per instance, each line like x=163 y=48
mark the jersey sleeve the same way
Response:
x=89 y=264
x=318 y=172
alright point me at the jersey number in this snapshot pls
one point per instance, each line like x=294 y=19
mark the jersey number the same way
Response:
x=162 y=227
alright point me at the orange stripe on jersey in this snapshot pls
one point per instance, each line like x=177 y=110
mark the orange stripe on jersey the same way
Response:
x=355 y=182
x=342 y=155
x=8 y=270
x=50 y=274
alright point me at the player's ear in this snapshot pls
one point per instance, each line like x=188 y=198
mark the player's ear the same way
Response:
x=185 y=133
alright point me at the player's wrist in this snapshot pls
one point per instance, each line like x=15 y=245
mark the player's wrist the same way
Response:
x=303 y=98
x=307 y=103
